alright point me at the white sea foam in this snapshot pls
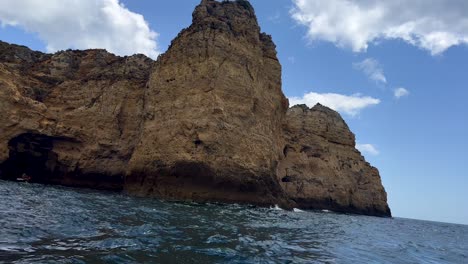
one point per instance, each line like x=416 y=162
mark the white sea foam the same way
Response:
x=298 y=210
x=276 y=208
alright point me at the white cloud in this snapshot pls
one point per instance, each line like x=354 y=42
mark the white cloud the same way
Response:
x=368 y=148
x=401 y=92
x=82 y=24
x=372 y=68
x=350 y=105
x=434 y=25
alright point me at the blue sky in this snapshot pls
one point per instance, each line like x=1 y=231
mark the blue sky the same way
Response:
x=352 y=55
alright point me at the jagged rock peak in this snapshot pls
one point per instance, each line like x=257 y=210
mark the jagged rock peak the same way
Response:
x=321 y=108
x=18 y=53
x=237 y=17
x=13 y=53
x=317 y=107
x=234 y=19
x=323 y=121
x=239 y=3
x=42 y=73
x=303 y=107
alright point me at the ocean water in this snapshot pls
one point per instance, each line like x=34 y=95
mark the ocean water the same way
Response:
x=44 y=224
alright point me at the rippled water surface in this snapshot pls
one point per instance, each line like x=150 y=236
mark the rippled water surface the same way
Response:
x=43 y=224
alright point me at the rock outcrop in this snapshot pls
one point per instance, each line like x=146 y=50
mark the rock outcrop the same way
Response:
x=70 y=118
x=207 y=121
x=215 y=109
x=322 y=169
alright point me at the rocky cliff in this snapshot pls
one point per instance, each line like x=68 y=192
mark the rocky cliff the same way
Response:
x=207 y=121
x=322 y=169
x=215 y=109
x=70 y=118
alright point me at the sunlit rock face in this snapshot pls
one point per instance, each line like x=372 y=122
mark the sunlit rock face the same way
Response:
x=322 y=169
x=215 y=109
x=207 y=121
x=74 y=115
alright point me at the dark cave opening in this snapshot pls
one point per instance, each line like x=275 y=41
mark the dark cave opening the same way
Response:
x=31 y=155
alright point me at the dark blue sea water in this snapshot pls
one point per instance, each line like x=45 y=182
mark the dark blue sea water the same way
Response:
x=44 y=224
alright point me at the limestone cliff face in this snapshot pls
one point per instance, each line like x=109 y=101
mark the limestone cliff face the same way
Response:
x=322 y=169
x=207 y=121
x=73 y=117
x=214 y=112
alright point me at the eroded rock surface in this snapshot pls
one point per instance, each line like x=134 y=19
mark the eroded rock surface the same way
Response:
x=322 y=169
x=215 y=109
x=206 y=122
x=82 y=111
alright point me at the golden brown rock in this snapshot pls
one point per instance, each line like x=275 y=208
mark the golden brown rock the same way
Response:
x=322 y=169
x=215 y=109
x=206 y=122
x=71 y=118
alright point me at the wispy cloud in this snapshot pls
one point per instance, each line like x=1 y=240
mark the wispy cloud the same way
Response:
x=373 y=69
x=368 y=149
x=347 y=104
x=433 y=25
x=82 y=24
x=400 y=92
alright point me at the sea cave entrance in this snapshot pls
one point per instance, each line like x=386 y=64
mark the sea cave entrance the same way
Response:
x=31 y=155
x=34 y=156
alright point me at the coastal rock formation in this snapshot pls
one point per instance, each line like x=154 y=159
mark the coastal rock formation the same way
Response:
x=207 y=121
x=215 y=110
x=70 y=118
x=322 y=169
